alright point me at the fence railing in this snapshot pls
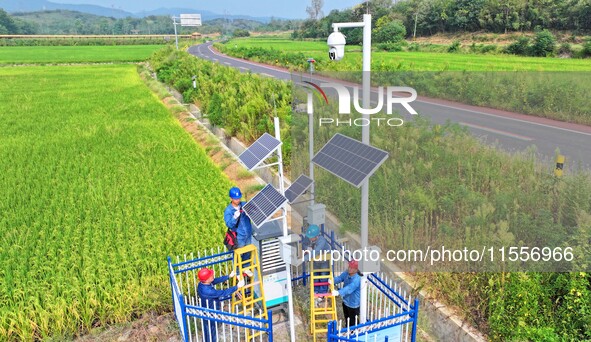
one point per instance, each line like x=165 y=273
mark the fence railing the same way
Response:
x=200 y=323
x=392 y=314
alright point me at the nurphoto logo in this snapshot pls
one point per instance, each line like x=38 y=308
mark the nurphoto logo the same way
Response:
x=344 y=97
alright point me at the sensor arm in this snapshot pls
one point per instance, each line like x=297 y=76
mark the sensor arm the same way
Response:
x=337 y=26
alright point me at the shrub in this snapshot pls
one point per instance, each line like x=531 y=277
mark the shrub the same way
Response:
x=544 y=44
x=454 y=47
x=519 y=47
x=241 y=33
x=586 y=52
x=389 y=46
x=387 y=31
x=565 y=49
x=414 y=47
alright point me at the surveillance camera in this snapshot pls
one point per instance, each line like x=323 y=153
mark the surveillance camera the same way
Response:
x=336 y=46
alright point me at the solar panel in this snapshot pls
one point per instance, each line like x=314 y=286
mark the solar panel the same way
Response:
x=264 y=204
x=297 y=188
x=259 y=151
x=349 y=159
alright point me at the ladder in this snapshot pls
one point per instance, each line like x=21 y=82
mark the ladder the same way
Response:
x=325 y=312
x=245 y=301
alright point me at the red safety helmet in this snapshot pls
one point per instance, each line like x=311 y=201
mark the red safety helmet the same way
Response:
x=204 y=274
x=354 y=264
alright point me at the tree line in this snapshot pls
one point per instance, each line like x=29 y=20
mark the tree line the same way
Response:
x=429 y=17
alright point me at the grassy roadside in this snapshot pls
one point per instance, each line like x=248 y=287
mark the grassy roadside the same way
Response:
x=390 y=61
x=547 y=87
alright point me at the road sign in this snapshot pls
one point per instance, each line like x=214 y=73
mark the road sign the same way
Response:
x=190 y=19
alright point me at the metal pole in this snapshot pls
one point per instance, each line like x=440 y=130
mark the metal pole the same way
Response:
x=287 y=265
x=311 y=142
x=414 y=34
x=176 y=37
x=366 y=84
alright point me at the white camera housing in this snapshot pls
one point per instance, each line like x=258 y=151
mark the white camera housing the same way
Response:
x=336 y=46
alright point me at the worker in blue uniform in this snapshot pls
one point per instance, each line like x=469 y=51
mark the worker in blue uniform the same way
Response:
x=211 y=297
x=350 y=292
x=237 y=221
x=317 y=245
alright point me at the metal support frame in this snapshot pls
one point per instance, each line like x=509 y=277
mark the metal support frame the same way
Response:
x=366 y=89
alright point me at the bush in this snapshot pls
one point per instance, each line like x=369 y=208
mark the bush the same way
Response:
x=241 y=33
x=387 y=31
x=565 y=49
x=480 y=48
x=586 y=52
x=414 y=47
x=544 y=44
x=392 y=47
x=519 y=47
x=454 y=47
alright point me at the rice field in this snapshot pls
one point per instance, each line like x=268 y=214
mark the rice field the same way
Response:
x=75 y=54
x=99 y=184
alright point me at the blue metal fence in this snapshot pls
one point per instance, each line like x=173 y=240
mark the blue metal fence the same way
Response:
x=193 y=318
x=392 y=315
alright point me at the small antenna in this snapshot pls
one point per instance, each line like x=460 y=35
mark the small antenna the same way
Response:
x=367 y=7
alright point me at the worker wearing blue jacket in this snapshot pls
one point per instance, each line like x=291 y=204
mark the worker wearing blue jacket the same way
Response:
x=211 y=297
x=236 y=220
x=316 y=244
x=350 y=292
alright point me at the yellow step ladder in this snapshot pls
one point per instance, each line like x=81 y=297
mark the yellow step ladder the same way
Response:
x=326 y=311
x=244 y=301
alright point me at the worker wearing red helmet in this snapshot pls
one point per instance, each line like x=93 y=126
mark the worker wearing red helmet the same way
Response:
x=211 y=297
x=350 y=292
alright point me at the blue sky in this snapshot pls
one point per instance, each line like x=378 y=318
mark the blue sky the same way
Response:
x=278 y=8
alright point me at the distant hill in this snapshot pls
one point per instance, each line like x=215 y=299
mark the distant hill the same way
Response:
x=12 y=6
x=66 y=22
x=205 y=15
x=72 y=22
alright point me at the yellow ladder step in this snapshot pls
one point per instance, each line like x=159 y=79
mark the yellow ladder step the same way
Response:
x=245 y=305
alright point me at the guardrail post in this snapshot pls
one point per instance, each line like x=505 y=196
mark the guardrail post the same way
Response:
x=270 y=325
x=184 y=316
x=171 y=284
x=415 y=321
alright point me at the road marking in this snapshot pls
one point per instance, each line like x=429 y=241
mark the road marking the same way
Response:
x=504 y=117
x=496 y=131
x=243 y=68
x=266 y=75
x=226 y=63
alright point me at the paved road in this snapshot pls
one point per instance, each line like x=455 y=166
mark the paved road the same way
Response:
x=510 y=131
